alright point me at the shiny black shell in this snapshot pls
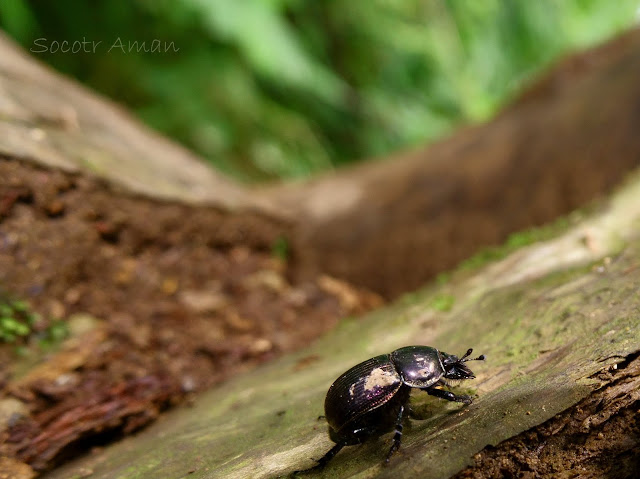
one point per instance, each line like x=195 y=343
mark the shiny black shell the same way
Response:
x=371 y=398
x=419 y=366
x=362 y=388
x=365 y=400
x=359 y=402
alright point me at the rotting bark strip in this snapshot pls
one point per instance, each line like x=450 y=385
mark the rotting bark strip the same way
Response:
x=598 y=437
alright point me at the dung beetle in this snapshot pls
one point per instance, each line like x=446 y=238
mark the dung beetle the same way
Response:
x=370 y=399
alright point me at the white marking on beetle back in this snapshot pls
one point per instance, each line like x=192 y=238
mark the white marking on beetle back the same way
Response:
x=380 y=378
x=352 y=390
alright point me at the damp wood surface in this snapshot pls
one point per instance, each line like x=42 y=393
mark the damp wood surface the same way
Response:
x=558 y=322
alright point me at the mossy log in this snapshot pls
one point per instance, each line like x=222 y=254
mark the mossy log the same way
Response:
x=555 y=319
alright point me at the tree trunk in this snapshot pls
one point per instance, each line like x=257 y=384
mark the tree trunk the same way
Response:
x=569 y=138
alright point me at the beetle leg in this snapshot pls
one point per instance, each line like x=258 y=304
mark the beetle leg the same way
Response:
x=448 y=395
x=397 y=437
x=328 y=456
x=323 y=460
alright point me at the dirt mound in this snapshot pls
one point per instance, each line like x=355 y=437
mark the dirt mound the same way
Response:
x=161 y=301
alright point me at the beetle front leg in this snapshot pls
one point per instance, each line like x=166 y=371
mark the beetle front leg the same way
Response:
x=448 y=395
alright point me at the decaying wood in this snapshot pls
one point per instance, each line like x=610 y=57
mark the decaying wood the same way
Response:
x=602 y=430
x=555 y=319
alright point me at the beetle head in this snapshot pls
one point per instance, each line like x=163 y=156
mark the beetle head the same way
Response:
x=455 y=368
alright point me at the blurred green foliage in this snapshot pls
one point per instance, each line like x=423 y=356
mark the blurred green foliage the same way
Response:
x=16 y=320
x=270 y=89
x=19 y=325
x=443 y=302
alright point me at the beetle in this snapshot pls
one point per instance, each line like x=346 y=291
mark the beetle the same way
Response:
x=371 y=398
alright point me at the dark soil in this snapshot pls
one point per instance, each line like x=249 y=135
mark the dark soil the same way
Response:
x=597 y=438
x=160 y=300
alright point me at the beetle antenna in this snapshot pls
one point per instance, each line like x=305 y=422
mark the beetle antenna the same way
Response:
x=464 y=359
